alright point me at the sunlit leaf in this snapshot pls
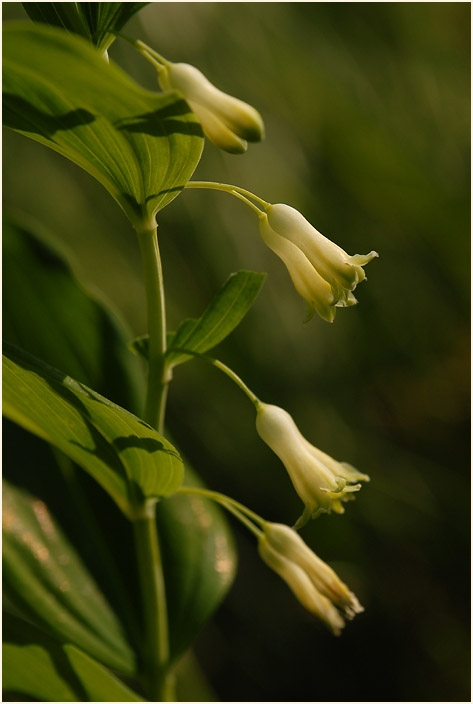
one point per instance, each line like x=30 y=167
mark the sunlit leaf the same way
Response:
x=195 y=538
x=92 y=20
x=34 y=664
x=129 y=459
x=221 y=317
x=59 y=91
x=99 y=683
x=45 y=580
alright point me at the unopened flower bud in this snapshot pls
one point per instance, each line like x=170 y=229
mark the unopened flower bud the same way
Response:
x=228 y=122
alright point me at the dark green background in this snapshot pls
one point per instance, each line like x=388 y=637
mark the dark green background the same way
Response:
x=366 y=108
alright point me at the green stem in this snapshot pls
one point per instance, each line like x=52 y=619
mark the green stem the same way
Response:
x=232 y=190
x=235 y=507
x=158 y=682
x=153 y=279
x=238 y=381
x=226 y=370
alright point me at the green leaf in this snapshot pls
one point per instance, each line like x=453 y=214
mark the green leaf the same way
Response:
x=199 y=560
x=35 y=664
x=59 y=91
x=45 y=580
x=225 y=312
x=99 y=684
x=129 y=459
x=92 y=20
x=105 y=17
x=195 y=538
x=49 y=314
x=58 y=14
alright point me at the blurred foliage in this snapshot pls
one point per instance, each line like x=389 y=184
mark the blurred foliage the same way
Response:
x=367 y=115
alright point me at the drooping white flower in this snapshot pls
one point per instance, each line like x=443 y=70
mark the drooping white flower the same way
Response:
x=322 y=272
x=228 y=122
x=322 y=483
x=313 y=582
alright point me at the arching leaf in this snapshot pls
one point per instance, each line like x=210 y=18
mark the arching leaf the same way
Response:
x=225 y=311
x=126 y=456
x=59 y=91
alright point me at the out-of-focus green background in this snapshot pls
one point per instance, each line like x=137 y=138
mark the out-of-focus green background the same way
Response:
x=366 y=108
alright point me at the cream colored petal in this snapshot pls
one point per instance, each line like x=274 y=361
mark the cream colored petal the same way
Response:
x=288 y=543
x=217 y=132
x=302 y=587
x=307 y=281
x=339 y=269
x=238 y=117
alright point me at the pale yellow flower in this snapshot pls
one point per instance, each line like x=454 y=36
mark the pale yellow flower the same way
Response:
x=322 y=272
x=312 y=581
x=322 y=483
x=228 y=122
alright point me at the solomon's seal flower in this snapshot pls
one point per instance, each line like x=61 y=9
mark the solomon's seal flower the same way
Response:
x=227 y=121
x=322 y=483
x=322 y=272
x=311 y=580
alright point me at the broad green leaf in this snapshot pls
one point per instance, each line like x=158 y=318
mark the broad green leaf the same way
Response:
x=98 y=682
x=49 y=314
x=34 y=664
x=196 y=545
x=129 y=459
x=225 y=312
x=45 y=580
x=83 y=512
x=92 y=20
x=199 y=561
x=59 y=91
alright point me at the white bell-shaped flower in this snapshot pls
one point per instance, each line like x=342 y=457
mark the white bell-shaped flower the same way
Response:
x=312 y=581
x=322 y=483
x=322 y=272
x=228 y=122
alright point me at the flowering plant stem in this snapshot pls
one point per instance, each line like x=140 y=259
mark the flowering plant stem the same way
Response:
x=241 y=193
x=156 y=313
x=235 y=507
x=158 y=681
x=234 y=377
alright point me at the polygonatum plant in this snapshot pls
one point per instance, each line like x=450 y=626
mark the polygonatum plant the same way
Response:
x=87 y=618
